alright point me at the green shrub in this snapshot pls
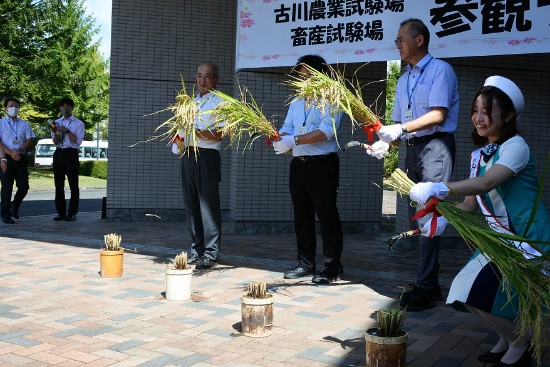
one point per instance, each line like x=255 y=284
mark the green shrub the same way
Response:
x=96 y=169
x=390 y=161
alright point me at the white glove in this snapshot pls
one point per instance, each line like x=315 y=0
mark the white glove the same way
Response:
x=441 y=224
x=378 y=150
x=284 y=145
x=175 y=149
x=390 y=133
x=422 y=191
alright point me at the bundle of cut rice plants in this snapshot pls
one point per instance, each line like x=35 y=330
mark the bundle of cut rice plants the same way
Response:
x=330 y=91
x=181 y=125
x=522 y=274
x=390 y=321
x=242 y=119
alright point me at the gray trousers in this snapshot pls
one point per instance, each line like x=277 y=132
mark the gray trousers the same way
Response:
x=431 y=161
x=200 y=178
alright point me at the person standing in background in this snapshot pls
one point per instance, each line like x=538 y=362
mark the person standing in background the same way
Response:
x=16 y=138
x=67 y=135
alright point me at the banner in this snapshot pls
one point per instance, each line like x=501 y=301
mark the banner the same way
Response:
x=277 y=32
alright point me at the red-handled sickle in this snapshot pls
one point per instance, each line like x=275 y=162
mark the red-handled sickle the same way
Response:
x=371 y=129
x=398 y=236
x=270 y=139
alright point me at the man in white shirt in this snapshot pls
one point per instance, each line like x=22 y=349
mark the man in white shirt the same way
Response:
x=16 y=138
x=67 y=135
x=201 y=175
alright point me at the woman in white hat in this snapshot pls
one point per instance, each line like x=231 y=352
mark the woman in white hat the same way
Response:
x=501 y=168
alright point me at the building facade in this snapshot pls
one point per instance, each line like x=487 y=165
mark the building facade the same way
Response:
x=155 y=47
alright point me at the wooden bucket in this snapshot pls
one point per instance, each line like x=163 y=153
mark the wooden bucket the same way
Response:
x=257 y=316
x=385 y=351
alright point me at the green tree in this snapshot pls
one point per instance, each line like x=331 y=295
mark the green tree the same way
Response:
x=394 y=71
x=16 y=47
x=49 y=54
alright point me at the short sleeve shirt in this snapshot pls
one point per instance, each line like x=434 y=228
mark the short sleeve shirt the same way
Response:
x=14 y=132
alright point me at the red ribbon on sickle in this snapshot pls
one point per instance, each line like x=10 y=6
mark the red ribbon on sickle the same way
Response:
x=371 y=129
x=430 y=208
x=177 y=139
x=275 y=137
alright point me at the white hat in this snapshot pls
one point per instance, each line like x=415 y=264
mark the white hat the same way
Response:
x=510 y=89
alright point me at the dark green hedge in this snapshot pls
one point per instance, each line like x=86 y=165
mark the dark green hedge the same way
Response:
x=93 y=169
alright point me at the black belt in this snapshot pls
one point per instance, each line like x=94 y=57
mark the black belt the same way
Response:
x=199 y=149
x=424 y=139
x=59 y=148
x=309 y=158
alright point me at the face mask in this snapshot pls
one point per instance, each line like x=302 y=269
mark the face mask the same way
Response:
x=13 y=111
x=62 y=109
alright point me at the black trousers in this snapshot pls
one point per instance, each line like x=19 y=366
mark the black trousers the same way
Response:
x=17 y=172
x=200 y=178
x=65 y=163
x=313 y=188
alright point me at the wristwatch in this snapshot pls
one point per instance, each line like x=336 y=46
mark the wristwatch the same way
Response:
x=296 y=140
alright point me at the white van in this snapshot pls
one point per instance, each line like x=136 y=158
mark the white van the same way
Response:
x=43 y=152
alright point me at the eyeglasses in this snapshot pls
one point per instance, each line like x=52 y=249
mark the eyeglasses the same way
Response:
x=399 y=40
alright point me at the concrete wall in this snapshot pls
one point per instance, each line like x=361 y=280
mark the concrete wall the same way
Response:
x=151 y=47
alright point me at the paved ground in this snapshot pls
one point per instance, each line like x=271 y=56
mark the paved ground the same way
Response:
x=56 y=310
x=41 y=202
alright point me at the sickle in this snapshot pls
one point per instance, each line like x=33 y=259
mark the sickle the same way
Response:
x=398 y=236
x=355 y=143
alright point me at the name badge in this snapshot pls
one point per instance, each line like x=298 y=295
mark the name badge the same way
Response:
x=408 y=115
x=302 y=130
x=15 y=142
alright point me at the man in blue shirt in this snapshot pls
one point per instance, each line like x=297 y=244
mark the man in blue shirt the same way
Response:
x=426 y=115
x=313 y=181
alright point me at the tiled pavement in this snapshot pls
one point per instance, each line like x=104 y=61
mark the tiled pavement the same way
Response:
x=56 y=310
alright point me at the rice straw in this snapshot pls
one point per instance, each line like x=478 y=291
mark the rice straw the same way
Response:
x=185 y=111
x=242 y=117
x=331 y=92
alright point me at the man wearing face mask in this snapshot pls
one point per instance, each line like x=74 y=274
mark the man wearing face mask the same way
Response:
x=16 y=138
x=67 y=135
